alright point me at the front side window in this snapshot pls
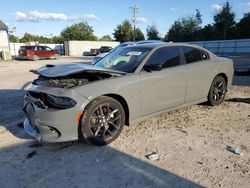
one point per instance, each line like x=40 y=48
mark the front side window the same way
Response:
x=124 y=59
x=166 y=57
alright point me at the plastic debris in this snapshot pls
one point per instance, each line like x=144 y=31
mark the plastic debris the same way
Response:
x=235 y=150
x=153 y=156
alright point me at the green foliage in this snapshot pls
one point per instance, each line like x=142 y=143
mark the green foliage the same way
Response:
x=243 y=27
x=184 y=29
x=224 y=21
x=123 y=32
x=13 y=38
x=28 y=38
x=198 y=17
x=152 y=33
x=79 y=31
x=139 y=35
x=57 y=40
x=106 y=38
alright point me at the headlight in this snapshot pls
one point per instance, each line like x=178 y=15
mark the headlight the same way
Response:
x=60 y=102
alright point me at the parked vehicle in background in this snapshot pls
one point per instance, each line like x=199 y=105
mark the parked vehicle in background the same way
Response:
x=102 y=49
x=105 y=49
x=94 y=51
x=94 y=102
x=100 y=56
x=37 y=52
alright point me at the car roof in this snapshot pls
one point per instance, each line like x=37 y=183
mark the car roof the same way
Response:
x=160 y=44
x=170 y=44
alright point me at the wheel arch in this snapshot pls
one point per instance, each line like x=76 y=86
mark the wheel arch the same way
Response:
x=124 y=104
x=223 y=75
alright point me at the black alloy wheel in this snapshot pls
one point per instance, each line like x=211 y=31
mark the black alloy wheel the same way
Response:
x=217 y=91
x=103 y=121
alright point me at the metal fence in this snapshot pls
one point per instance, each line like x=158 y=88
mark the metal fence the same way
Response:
x=241 y=46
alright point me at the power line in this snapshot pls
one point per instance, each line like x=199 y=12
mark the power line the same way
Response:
x=134 y=10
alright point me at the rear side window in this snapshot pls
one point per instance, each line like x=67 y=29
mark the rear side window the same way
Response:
x=47 y=48
x=193 y=55
x=166 y=56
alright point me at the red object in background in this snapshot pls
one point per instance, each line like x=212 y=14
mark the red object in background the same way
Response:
x=37 y=52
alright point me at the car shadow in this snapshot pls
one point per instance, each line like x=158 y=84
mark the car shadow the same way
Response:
x=71 y=164
x=80 y=165
x=241 y=100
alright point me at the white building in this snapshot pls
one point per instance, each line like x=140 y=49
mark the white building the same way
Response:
x=4 y=40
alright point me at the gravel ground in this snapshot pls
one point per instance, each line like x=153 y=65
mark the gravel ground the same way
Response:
x=191 y=144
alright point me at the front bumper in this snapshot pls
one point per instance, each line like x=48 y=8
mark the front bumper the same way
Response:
x=51 y=125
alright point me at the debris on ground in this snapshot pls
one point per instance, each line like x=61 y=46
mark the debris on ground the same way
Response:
x=153 y=156
x=235 y=150
x=31 y=154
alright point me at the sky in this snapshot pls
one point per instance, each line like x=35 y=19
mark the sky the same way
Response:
x=50 y=17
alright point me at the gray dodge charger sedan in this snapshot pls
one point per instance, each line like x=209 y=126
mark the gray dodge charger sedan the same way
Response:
x=93 y=102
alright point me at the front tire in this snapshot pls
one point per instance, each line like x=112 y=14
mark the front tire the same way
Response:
x=103 y=121
x=217 y=91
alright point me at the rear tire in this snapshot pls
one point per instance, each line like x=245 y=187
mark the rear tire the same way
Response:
x=103 y=121
x=55 y=57
x=217 y=91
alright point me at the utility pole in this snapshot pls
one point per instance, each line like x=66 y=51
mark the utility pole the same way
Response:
x=134 y=11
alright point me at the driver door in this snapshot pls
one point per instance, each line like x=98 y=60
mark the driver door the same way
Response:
x=165 y=88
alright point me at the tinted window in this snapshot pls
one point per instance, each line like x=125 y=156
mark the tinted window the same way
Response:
x=47 y=48
x=40 y=48
x=167 y=57
x=192 y=54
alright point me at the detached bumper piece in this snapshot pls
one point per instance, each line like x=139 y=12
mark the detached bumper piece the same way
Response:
x=31 y=130
x=44 y=133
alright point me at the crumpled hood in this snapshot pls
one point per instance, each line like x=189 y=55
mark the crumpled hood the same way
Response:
x=59 y=70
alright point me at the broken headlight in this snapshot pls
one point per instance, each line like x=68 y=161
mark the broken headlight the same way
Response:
x=60 y=102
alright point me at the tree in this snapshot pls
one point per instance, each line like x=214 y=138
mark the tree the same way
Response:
x=208 y=32
x=175 y=32
x=198 y=17
x=123 y=32
x=139 y=34
x=13 y=38
x=224 y=22
x=243 y=27
x=184 y=29
x=152 y=33
x=79 y=31
x=57 y=40
x=106 y=38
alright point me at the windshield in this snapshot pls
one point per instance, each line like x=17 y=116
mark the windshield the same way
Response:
x=124 y=59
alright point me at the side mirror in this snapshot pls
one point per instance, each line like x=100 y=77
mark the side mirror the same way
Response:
x=151 y=67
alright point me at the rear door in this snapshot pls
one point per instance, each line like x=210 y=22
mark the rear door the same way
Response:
x=40 y=51
x=165 y=88
x=49 y=52
x=199 y=73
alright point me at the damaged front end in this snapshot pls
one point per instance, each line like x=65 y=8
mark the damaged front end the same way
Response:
x=68 y=76
x=52 y=108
